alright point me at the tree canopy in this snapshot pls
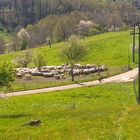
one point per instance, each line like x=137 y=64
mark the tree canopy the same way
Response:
x=23 y=12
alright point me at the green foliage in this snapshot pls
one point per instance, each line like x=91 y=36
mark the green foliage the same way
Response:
x=110 y=49
x=24 y=45
x=39 y=60
x=29 y=12
x=22 y=40
x=73 y=50
x=56 y=28
x=6 y=75
x=105 y=17
x=6 y=36
x=24 y=59
x=2 y=49
x=64 y=28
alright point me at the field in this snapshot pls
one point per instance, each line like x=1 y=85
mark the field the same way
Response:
x=6 y=37
x=102 y=112
x=38 y=82
x=110 y=49
x=101 y=100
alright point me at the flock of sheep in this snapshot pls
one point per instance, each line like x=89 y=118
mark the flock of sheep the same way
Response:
x=59 y=72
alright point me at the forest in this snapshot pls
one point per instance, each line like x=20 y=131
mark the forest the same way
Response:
x=57 y=20
x=21 y=12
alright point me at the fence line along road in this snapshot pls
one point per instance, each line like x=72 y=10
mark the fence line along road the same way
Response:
x=125 y=77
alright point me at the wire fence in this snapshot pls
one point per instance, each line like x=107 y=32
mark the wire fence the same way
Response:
x=37 y=83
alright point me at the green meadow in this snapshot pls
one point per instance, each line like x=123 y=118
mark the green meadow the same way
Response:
x=6 y=36
x=110 y=49
x=104 y=112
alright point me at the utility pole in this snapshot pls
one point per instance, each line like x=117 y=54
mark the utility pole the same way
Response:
x=139 y=69
x=129 y=59
x=134 y=30
x=134 y=33
x=134 y=37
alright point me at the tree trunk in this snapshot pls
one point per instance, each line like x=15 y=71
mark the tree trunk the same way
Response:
x=3 y=11
x=72 y=75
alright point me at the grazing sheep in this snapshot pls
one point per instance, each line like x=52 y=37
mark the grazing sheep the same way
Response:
x=86 y=71
x=28 y=76
x=57 y=77
x=77 y=72
x=57 y=71
x=63 y=76
x=19 y=75
x=49 y=75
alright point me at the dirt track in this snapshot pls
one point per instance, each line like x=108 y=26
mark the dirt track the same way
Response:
x=125 y=77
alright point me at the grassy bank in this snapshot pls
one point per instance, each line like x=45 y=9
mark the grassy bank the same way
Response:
x=6 y=37
x=110 y=49
x=102 y=112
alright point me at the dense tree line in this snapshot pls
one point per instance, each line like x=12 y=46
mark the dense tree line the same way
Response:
x=24 y=12
x=48 y=21
x=136 y=3
x=76 y=23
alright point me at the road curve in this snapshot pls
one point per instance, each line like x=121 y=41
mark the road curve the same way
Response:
x=125 y=77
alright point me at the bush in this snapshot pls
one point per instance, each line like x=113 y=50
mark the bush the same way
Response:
x=24 y=59
x=73 y=51
x=39 y=61
x=2 y=49
x=6 y=75
x=22 y=40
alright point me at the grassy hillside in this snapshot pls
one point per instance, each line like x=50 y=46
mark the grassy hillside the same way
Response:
x=102 y=112
x=109 y=48
x=5 y=36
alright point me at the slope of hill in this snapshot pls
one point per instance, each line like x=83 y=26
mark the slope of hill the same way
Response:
x=5 y=36
x=102 y=112
x=110 y=49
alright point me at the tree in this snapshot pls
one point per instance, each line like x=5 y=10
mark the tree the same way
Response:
x=2 y=49
x=24 y=59
x=42 y=30
x=39 y=61
x=3 y=11
x=23 y=39
x=6 y=75
x=85 y=27
x=73 y=51
x=24 y=12
x=114 y=21
x=64 y=28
